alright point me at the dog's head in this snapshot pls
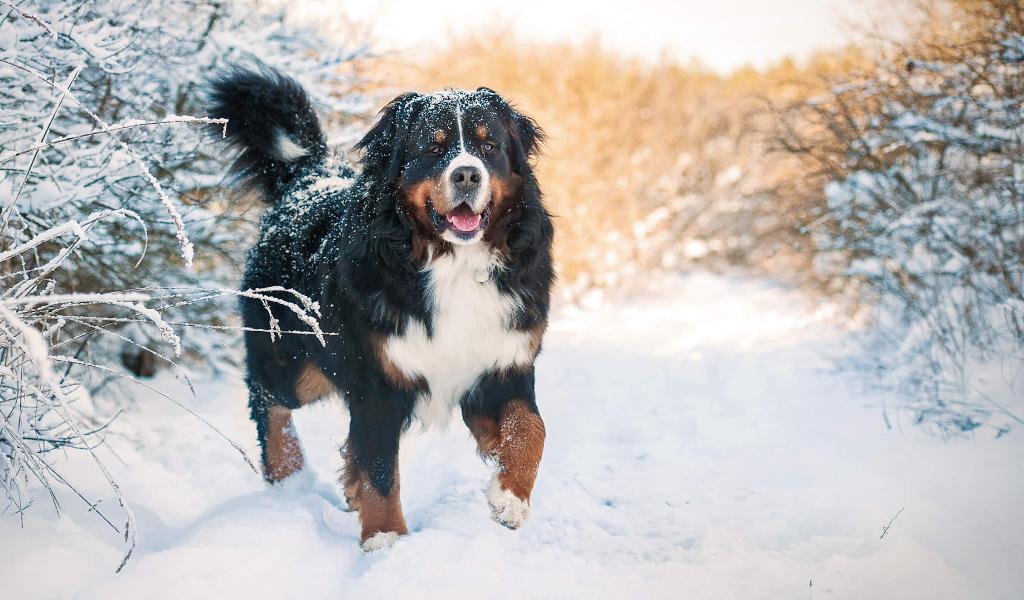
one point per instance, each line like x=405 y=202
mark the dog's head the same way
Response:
x=458 y=160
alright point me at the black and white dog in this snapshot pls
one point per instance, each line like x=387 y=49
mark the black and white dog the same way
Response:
x=432 y=269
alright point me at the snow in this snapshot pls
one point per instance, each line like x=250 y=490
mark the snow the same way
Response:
x=699 y=444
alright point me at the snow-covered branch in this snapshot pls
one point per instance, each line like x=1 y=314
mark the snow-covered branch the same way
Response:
x=113 y=238
x=923 y=162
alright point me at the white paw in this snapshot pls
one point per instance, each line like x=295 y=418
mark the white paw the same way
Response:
x=379 y=541
x=506 y=508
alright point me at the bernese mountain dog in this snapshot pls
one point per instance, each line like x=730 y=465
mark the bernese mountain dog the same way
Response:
x=430 y=259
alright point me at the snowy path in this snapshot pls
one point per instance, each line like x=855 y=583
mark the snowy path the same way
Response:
x=698 y=447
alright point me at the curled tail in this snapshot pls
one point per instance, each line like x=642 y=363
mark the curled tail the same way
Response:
x=272 y=125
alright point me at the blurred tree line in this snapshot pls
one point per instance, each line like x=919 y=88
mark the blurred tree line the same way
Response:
x=888 y=175
x=917 y=161
x=653 y=165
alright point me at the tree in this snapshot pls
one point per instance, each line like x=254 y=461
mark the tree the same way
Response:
x=922 y=164
x=110 y=234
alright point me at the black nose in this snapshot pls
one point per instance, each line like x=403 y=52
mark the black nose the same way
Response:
x=466 y=178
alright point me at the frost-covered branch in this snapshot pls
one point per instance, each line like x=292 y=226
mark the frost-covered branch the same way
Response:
x=108 y=199
x=921 y=158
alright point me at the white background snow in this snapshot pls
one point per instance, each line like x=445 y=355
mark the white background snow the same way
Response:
x=699 y=446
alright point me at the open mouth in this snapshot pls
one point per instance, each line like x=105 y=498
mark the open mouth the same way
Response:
x=461 y=220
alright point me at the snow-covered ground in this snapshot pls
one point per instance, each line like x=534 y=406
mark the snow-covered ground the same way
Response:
x=699 y=446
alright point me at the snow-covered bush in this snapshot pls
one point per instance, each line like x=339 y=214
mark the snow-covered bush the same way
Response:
x=142 y=62
x=111 y=238
x=923 y=154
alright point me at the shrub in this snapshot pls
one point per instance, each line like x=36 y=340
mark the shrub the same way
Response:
x=921 y=161
x=110 y=238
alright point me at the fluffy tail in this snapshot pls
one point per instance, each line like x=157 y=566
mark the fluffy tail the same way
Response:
x=272 y=125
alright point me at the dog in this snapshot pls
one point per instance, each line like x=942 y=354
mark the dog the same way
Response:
x=430 y=259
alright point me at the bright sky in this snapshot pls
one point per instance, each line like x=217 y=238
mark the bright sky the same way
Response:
x=722 y=34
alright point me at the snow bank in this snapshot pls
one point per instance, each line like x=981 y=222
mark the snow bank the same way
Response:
x=698 y=446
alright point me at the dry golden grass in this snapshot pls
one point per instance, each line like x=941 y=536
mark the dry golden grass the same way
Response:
x=641 y=157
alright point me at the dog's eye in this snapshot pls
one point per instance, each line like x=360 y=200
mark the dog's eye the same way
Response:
x=435 y=149
x=487 y=147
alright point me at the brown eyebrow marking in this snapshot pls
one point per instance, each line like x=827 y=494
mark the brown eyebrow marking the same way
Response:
x=439 y=136
x=481 y=132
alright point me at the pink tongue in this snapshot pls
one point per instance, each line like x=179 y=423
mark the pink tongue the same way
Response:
x=464 y=222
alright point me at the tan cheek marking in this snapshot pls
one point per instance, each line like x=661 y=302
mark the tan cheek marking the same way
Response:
x=312 y=385
x=416 y=195
x=414 y=204
x=502 y=201
x=284 y=455
x=377 y=513
x=501 y=192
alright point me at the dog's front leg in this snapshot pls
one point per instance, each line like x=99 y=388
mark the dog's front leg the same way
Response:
x=502 y=415
x=371 y=469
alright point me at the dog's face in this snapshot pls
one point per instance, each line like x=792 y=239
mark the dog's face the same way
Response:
x=457 y=159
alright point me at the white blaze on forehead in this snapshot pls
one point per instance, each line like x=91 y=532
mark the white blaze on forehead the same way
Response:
x=465 y=159
x=458 y=121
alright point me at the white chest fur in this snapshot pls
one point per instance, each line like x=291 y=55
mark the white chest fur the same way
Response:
x=470 y=332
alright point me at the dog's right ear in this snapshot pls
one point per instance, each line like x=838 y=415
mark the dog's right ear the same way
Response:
x=384 y=145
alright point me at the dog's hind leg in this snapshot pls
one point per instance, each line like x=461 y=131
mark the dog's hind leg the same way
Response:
x=280 y=451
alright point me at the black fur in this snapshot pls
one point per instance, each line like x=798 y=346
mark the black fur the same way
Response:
x=261 y=105
x=354 y=250
x=384 y=143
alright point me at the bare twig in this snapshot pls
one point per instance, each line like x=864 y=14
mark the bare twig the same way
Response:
x=885 y=529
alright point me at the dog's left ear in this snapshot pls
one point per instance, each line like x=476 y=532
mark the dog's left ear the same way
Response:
x=384 y=145
x=527 y=136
